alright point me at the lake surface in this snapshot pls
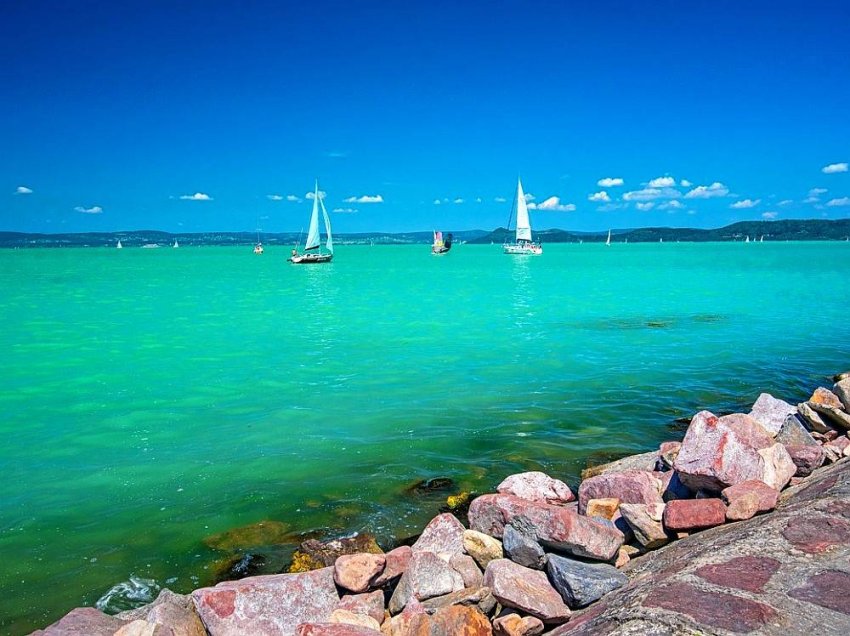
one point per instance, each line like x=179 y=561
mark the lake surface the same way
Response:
x=151 y=398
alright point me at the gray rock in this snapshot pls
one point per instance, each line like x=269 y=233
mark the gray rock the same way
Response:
x=812 y=418
x=842 y=391
x=644 y=461
x=771 y=412
x=579 y=583
x=834 y=416
x=794 y=432
x=520 y=544
x=427 y=576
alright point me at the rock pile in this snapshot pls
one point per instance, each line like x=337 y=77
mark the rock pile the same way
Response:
x=535 y=553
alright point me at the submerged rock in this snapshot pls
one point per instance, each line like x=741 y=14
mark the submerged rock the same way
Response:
x=262 y=533
x=429 y=486
x=239 y=566
x=325 y=553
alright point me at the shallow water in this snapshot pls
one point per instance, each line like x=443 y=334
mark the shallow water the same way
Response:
x=151 y=398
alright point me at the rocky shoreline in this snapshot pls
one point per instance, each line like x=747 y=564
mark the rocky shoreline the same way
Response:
x=742 y=527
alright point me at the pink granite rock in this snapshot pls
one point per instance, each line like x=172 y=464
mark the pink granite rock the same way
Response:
x=516 y=625
x=427 y=576
x=693 y=514
x=631 y=486
x=454 y=620
x=84 y=620
x=806 y=458
x=371 y=604
x=825 y=397
x=720 y=452
x=667 y=453
x=354 y=571
x=841 y=390
x=397 y=561
x=467 y=568
x=443 y=536
x=771 y=413
x=556 y=527
x=536 y=486
x=267 y=605
x=334 y=629
x=766 y=498
x=744 y=507
x=400 y=625
x=526 y=590
x=645 y=522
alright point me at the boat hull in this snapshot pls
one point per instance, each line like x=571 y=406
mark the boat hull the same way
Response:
x=523 y=249
x=439 y=251
x=310 y=259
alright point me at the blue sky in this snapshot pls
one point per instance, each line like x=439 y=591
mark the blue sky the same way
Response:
x=197 y=116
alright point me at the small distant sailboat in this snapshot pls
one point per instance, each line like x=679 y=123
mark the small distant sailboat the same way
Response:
x=439 y=246
x=313 y=237
x=747 y=240
x=761 y=239
x=258 y=247
x=118 y=245
x=175 y=243
x=660 y=239
x=608 y=240
x=523 y=243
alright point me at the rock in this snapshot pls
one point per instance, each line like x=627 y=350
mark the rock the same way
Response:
x=455 y=619
x=400 y=625
x=479 y=596
x=841 y=389
x=139 y=627
x=834 y=416
x=838 y=377
x=693 y=514
x=645 y=522
x=771 y=413
x=812 y=418
x=429 y=486
x=177 y=611
x=84 y=620
x=644 y=462
x=605 y=508
x=334 y=629
x=536 y=486
x=824 y=397
x=673 y=488
x=667 y=453
x=806 y=458
x=396 y=563
x=266 y=605
x=793 y=433
x=239 y=566
x=263 y=533
x=468 y=570
x=350 y=618
x=516 y=625
x=744 y=507
x=631 y=486
x=581 y=584
x=354 y=572
x=766 y=497
x=371 y=604
x=520 y=544
x=720 y=452
x=327 y=552
x=482 y=547
x=838 y=446
x=443 y=536
x=526 y=590
x=427 y=576
x=556 y=527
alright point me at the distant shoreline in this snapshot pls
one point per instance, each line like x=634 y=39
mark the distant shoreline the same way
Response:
x=785 y=230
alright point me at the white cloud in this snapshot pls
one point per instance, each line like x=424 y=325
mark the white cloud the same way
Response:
x=610 y=182
x=834 y=167
x=769 y=215
x=198 y=196
x=529 y=196
x=274 y=197
x=345 y=210
x=500 y=200
x=685 y=183
x=293 y=198
x=745 y=203
x=599 y=196
x=650 y=194
x=553 y=204
x=785 y=202
x=691 y=212
x=817 y=191
x=23 y=190
x=366 y=198
x=610 y=207
x=716 y=189
x=92 y=210
x=458 y=201
x=834 y=203
x=312 y=195
x=645 y=206
x=671 y=205
x=437 y=202
x=479 y=200
x=662 y=182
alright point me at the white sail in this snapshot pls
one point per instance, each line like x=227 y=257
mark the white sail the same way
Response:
x=313 y=239
x=330 y=243
x=608 y=241
x=523 y=225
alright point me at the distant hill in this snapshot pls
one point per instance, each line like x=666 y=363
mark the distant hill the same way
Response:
x=791 y=230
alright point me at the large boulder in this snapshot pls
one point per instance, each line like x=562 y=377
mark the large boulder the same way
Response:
x=720 y=452
x=771 y=412
x=427 y=576
x=443 y=536
x=841 y=390
x=84 y=620
x=526 y=590
x=631 y=486
x=396 y=563
x=482 y=547
x=355 y=572
x=645 y=522
x=536 y=486
x=645 y=461
x=793 y=433
x=176 y=611
x=520 y=543
x=558 y=528
x=581 y=584
x=806 y=458
x=454 y=619
x=370 y=604
x=267 y=605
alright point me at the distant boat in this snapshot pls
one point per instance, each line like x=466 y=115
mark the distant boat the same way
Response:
x=175 y=243
x=608 y=240
x=313 y=237
x=118 y=245
x=439 y=246
x=761 y=239
x=258 y=247
x=150 y=246
x=747 y=240
x=523 y=243
x=661 y=239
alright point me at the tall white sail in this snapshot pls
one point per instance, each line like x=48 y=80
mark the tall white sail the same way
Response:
x=313 y=239
x=523 y=225
x=330 y=242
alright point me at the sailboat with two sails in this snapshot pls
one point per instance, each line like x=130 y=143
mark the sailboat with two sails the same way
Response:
x=523 y=243
x=313 y=252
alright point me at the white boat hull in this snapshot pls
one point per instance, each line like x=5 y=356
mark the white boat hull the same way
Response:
x=523 y=249
x=310 y=259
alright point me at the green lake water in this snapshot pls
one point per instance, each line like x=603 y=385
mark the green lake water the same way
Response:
x=151 y=398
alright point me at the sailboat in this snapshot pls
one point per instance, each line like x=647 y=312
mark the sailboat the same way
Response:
x=439 y=246
x=523 y=243
x=258 y=248
x=313 y=238
x=118 y=245
x=175 y=243
x=608 y=240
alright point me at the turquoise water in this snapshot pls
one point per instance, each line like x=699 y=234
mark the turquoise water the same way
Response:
x=151 y=398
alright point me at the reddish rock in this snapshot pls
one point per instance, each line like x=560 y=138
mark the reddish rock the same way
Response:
x=85 y=620
x=399 y=625
x=458 y=620
x=354 y=571
x=479 y=596
x=605 y=508
x=467 y=568
x=371 y=604
x=841 y=390
x=427 y=576
x=743 y=507
x=825 y=397
x=262 y=605
x=720 y=452
x=536 y=486
x=443 y=535
x=829 y=589
x=817 y=534
x=693 y=514
x=717 y=609
x=668 y=451
x=516 y=625
x=526 y=590
x=559 y=528
x=771 y=413
x=806 y=458
x=396 y=563
x=177 y=611
x=766 y=497
x=632 y=486
x=333 y=629
x=749 y=573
